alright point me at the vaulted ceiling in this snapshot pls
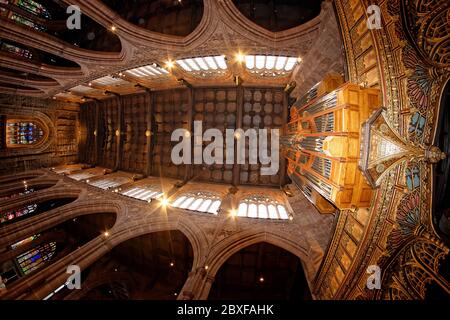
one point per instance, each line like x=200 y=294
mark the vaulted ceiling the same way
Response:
x=117 y=36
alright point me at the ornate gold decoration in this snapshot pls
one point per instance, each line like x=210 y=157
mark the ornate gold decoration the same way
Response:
x=383 y=148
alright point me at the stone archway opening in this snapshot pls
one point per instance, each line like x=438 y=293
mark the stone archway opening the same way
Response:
x=39 y=250
x=33 y=208
x=154 y=266
x=261 y=271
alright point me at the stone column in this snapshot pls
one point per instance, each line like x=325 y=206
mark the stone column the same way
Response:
x=197 y=285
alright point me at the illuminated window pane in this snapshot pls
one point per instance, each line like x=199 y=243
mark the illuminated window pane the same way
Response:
x=210 y=64
x=260 y=62
x=262 y=207
x=199 y=201
x=24 y=241
x=205 y=205
x=178 y=201
x=270 y=63
x=281 y=61
x=214 y=207
x=36 y=258
x=250 y=62
x=187 y=203
x=252 y=211
x=273 y=214
x=290 y=64
x=221 y=62
x=23 y=133
x=34 y=8
x=184 y=65
x=201 y=63
x=262 y=211
x=16 y=213
x=282 y=212
x=242 y=211
x=148 y=71
x=195 y=204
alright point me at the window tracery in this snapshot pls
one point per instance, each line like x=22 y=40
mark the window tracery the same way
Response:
x=262 y=207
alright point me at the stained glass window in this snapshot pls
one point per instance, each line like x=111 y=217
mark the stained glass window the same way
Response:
x=24 y=241
x=23 y=133
x=18 y=194
x=262 y=207
x=19 y=19
x=198 y=201
x=412 y=176
x=35 y=258
x=16 y=213
x=34 y=8
x=24 y=53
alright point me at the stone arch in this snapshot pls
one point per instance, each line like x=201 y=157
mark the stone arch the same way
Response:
x=122 y=233
x=7 y=181
x=221 y=252
x=190 y=230
x=238 y=21
x=36 y=185
x=288 y=7
x=38 y=223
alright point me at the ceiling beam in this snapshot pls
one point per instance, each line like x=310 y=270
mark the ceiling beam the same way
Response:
x=239 y=118
x=149 y=133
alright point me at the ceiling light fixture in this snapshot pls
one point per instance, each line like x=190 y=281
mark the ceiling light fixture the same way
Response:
x=240 y=57
x=164 y=202
x=113 y=28
x=170 y=64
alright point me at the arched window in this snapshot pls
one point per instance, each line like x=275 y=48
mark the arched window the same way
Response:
x=17 y=194
x=199 y=201
x=34 y=8
x=25 y=241
x=145 y=193
x=16 y=213
x=20 y=133
x=109 y=183
x=35 y=258
x=262 y=207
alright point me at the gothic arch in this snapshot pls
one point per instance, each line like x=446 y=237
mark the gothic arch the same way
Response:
x=193 y=233
x=231 y=245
